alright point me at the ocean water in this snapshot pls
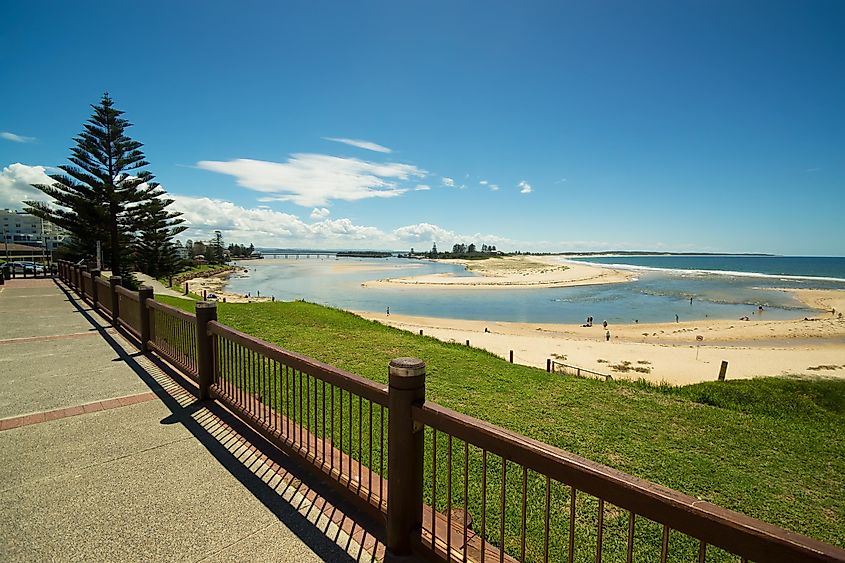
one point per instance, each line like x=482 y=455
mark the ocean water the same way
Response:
x=812 y=268
x=657 y=294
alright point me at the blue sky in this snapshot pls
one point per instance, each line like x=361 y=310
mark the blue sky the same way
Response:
x=688 y=126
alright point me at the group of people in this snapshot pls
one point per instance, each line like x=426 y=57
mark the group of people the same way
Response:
x=589 y=323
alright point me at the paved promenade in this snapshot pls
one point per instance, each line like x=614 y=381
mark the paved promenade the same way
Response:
x=105 y=455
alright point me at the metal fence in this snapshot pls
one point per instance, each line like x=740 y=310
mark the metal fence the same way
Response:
x=104 y=294
x=334 y=419
x=173 y=335
x=447 y=485
x=130 y=310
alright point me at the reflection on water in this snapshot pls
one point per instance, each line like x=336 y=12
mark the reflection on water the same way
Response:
x=654 y=297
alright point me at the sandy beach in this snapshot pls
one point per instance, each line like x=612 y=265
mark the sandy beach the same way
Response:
x=513 y=272
x=677 y=353
x=217 y=285
x=669 y=352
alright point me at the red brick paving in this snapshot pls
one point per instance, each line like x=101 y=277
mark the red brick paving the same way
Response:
x=30 y=282
x=42 y=338
x=39 y=417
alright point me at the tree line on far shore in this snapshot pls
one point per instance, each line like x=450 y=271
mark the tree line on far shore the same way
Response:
x=459 y=250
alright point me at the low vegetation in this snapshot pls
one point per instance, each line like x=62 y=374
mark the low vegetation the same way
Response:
x=771 y=448
x=200 y=271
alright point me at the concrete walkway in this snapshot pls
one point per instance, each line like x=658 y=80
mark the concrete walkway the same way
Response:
x=158 y=287
x=107 y=456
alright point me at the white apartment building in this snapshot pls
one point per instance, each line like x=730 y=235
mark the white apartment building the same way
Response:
x=22 y=228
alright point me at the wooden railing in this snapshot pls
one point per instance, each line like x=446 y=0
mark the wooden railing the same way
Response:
x=446 y=485
x=560 y=367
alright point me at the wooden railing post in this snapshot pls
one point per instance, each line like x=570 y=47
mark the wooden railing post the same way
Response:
x=115 y=281
x=144 y=293
x=405 y=451
x=82 y=292
x=95 y=297
x=206 y=311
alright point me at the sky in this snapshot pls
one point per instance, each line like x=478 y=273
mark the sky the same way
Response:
x=711 y=126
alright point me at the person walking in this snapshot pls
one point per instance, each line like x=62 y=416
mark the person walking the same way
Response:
x=607 y=336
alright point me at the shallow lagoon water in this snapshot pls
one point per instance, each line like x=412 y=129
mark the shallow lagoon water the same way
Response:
x=655 y=296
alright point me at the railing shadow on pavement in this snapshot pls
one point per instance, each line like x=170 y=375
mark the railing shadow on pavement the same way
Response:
x=298 y=478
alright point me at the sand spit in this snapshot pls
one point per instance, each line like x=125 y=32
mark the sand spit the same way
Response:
x=513 y=272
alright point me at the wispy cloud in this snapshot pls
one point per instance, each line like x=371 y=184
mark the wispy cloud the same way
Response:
x=493 y=187
x=15 y=138
x=319 y=213
x=16 y=185
x=422 y=188
x=483 y=182
x=524 y=187
x=812 y=170
x=448 y=182
x=367 y=145
x=562 y=180
x=265 y=227
x=312 y=180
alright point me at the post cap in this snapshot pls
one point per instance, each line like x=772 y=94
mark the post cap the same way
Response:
x=146 y=289
x=406 y=373
x=206 y=305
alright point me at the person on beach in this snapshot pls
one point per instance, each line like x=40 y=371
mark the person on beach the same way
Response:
x=676 y=318
x=388 y=311
x=604 y=324
x=690 y=301
x=607 y=336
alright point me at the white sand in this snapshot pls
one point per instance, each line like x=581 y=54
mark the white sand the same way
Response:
x=513 y=272
x=669 y=352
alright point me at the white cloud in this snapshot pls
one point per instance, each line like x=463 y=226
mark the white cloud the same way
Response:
x=265 y=227
x=368 y=145
x=448 y=182
x=422 y=188
x=313 y=180
x=319 y=213
x=494 y=187
x=15 y=138
x=524 y=187
x=483 y=182
x=15 y=185
x=424 y=232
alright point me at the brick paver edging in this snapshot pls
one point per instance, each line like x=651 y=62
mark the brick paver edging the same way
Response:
x=45 y=416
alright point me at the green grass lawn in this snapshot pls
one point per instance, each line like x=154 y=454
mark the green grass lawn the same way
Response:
x=772 y=448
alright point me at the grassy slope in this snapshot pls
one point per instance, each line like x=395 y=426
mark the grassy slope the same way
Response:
x=771 y=448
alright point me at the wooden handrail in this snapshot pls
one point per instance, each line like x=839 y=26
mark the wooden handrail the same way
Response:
x=349 y=381
x=170 y=310
x=120 y=290
x=740 y=534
